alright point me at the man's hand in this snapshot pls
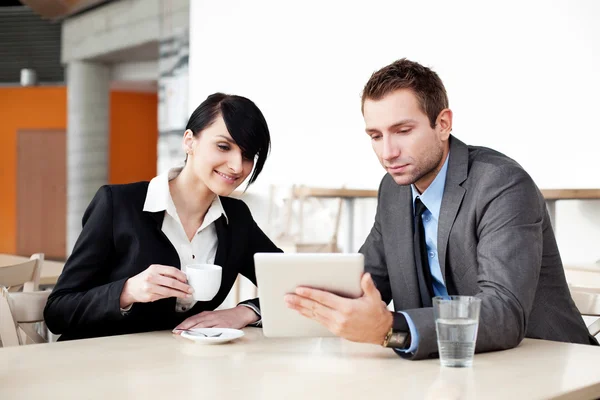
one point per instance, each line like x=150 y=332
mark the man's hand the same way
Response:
x=237 y=318
x=365 y=319
x=154 y=283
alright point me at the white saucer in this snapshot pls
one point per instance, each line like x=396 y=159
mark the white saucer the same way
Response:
x=227 y=335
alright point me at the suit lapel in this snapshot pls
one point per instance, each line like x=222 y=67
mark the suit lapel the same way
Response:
x=402 y=213
x=157 y=217
x=223 y=239
x=453 y=195
x=173 y=256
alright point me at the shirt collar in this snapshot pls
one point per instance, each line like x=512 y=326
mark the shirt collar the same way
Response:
x=158 y=198
x=432 y=197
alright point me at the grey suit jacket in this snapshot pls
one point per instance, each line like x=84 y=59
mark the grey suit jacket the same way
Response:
x=495 y=242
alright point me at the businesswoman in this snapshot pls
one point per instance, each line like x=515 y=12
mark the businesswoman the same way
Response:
x=124 y=274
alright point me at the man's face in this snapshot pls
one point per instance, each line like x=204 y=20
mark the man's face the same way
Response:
x=409 y=149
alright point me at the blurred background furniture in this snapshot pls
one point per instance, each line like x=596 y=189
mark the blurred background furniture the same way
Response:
x=21 y=319
x=348 y=196
x=583 y=275
x=553 y=195
x=49 y=270
x=587 y=301
x=584 y=284
x=296 y=216
x=292 y=238
x=18 y=273
x=20 y=314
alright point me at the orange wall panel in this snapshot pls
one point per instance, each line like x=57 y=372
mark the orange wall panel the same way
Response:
x=133 y=140
x=133 y=136
x=22 y=108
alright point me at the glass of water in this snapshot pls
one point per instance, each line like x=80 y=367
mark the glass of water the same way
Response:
x=456 y=323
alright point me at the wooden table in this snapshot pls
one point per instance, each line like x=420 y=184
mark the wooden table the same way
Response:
x=553 y=195
x=51 y=270
x=160 y=366
x=349 y=195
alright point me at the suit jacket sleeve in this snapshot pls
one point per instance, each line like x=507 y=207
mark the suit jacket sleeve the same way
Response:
x=374 y=254
x=83 y=298
x=509 y=218
x=258 y=242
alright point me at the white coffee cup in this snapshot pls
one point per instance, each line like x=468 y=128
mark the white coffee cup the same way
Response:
x=205 y=279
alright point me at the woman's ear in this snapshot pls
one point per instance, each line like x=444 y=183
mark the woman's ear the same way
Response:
x=188 y=141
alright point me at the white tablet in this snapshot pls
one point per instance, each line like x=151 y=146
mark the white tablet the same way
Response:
x=278 y=274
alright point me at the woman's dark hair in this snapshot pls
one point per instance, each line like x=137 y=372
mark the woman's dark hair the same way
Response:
x=244 y=121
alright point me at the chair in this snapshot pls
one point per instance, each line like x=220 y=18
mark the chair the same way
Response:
x=587 y=301
x=295 y=241
x=18 y=273
x=19 y=312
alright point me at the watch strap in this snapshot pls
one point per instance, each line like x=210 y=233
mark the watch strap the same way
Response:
x=399 y=334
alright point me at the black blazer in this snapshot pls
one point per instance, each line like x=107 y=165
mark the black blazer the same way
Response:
x=118 y=241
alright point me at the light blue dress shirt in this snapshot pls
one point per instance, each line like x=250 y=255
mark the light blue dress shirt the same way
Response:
x=432 y=199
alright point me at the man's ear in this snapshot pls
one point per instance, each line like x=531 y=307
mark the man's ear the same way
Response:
x=444 y=124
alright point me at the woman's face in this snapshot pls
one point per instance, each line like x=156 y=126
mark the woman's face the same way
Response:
x=216 y=159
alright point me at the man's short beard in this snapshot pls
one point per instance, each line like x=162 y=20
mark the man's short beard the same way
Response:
x=432 y=164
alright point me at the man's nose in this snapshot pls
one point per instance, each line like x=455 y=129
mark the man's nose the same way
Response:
x=391 y=150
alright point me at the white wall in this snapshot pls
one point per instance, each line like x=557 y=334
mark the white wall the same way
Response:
x=522 y=77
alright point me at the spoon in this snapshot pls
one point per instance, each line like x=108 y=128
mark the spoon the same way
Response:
x=196 y=333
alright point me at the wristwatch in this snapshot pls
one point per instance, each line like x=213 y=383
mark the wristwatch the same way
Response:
x=396 y=339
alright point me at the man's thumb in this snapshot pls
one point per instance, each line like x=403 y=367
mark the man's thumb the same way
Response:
x=368 y=286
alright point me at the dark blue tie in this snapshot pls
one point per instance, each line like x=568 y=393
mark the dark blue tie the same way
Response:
x=421 y=261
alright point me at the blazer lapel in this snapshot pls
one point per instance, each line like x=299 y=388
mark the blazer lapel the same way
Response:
x=453 y=195
x=402 y=214
x=158 y=218
x=223 y=238
x=173 y=256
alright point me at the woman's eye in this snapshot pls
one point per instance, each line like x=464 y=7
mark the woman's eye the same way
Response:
x=223 y=147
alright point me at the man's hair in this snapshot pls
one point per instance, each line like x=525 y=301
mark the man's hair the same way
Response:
x=405 y=74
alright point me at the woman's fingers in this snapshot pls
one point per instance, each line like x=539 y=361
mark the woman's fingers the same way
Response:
x=163 y=292
x=172 y=283
x=168 y=271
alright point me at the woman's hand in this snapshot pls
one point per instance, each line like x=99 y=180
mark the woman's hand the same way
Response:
x=236 y=318
x=155 y=283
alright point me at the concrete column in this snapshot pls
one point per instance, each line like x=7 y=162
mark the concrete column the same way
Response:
x=88 y=90
x=172 y=97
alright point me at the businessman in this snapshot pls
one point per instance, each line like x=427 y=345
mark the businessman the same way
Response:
x=451 y=219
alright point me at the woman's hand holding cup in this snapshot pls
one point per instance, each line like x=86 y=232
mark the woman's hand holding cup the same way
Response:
x=154 y=283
